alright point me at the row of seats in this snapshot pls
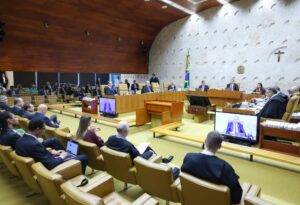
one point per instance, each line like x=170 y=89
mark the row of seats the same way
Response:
x=155 y=178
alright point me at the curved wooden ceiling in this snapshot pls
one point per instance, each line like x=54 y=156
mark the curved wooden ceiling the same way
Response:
x=81 y=35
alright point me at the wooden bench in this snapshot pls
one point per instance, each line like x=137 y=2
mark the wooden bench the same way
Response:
x=165 y=130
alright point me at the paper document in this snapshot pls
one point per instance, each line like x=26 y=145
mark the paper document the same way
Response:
x=142 y=147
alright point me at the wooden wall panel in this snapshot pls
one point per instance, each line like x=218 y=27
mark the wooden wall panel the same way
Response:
x=116 y=27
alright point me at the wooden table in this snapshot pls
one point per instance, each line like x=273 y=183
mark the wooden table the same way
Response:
x=168 y=112
x=279 y=133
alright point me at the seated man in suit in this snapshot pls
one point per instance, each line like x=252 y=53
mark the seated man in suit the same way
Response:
x=134 y=87
x=276 y=105
x=203 y=86
x=147 y=88
x=3 y=103
x=232 y=86
x=207 y=166
x=235 y=127
x=109 y=90
x=120 y=143
x=31 y=145
x=41 y=114
x=28 y=110
x=17 y=109
x=8 y=136
x=172 y=87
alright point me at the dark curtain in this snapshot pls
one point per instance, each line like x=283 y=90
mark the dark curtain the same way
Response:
x=43 y=77
x=68 y=78
x=26 y=79
x=87 y=78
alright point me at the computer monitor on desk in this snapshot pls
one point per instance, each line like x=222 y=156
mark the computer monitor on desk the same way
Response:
x=237 y=128
x=107 y=107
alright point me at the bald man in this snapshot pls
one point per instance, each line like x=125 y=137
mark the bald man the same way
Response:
x=41 y=115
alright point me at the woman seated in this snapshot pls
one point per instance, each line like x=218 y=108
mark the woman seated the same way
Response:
x=259 y=89
x=87 y=132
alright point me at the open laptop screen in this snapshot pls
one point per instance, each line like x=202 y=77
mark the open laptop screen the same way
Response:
x=72 y=147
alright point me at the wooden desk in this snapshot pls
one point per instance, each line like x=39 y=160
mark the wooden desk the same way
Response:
x=282 y=134
x=168 y=112
x=239 y=111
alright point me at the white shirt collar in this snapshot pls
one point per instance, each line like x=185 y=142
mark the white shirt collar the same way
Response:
x=207 y=152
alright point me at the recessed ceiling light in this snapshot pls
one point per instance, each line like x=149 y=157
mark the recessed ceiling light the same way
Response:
x=164 y=7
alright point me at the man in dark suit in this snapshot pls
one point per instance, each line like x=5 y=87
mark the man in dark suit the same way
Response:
x=41 y=115
x=203 y=86
x=276 y=105
x=232 y=86
x=17 y=109
x=31 y=145
x=134 y=87
x=154 y=79
x=3 y=103
x=8 y=135
x=172 y=87
x=120 y=143
x=209 y=167
x=147 y=88
x=109 y=90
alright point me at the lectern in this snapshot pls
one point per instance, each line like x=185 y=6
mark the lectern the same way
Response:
x=159 y=112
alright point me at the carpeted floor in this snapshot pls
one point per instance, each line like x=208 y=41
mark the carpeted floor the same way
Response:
x=279 y=185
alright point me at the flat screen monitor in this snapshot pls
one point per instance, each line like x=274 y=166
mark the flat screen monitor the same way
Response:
x=72 y=147
x=198 y=100
x=107 y=106
x=237 y=126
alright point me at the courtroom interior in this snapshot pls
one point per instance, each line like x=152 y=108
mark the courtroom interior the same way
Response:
x=148 y=102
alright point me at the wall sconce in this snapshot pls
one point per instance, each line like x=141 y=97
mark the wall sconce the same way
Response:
x=46 y=24
x=87 y=33
x=119 y=38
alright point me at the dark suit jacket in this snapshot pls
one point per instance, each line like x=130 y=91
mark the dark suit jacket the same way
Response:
x=205 y=87
x=215 y=170
x=275 y=107
x=146 y=89
x=9 y=138
x=17 y=111
x=109 y=91
x=154 y=80
x=134 y=87
x=235 y=86
x=28 y=115
x=122 y=145
x=4 y=106
x=262 y=91
x=28 y=146
x=172 y=88
x=44 y=118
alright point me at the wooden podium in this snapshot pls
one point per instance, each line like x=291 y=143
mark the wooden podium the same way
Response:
x=164 y=111
x=90 y=105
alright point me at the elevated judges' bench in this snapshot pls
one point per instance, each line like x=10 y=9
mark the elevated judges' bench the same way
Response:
x=169 y=130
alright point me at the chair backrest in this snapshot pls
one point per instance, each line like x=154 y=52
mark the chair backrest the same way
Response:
x=62 y=136
x=290 y=108
x=49 y=132
x=102 y=88
x=165 y=86
x=50 y=183
x=118 y=164
x=52 y=99
x=23 y=122
x=141 y=85
x=24 y=166
x=92 y=151
x=150 y=174
x=75 y=196
x=10 y=101
x=195 y=191
x=123 y=89
x=38 y=99
x=7 y=160
x=155 y=87
x=26 y=98
x=254 y=200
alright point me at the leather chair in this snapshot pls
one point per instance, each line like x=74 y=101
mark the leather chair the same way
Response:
x=254 y=200
x=24 y=166
x=119 y=165
x=103 y=194
x=156 y=179
x=290 y=108
x=37 y=100
x=62 y=136
x=52 y=99
x=194 y=191
x=92 y=151
x=50 y=180
x=123 y=89
x=8 y=161
x=155 y=87
x=23 y=123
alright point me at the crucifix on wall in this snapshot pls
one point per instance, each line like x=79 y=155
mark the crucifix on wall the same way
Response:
x=279 y=53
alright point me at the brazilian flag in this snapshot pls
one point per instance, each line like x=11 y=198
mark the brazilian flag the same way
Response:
x=187 y=72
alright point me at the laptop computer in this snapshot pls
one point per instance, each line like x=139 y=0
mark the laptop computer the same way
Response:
x=72 y=149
